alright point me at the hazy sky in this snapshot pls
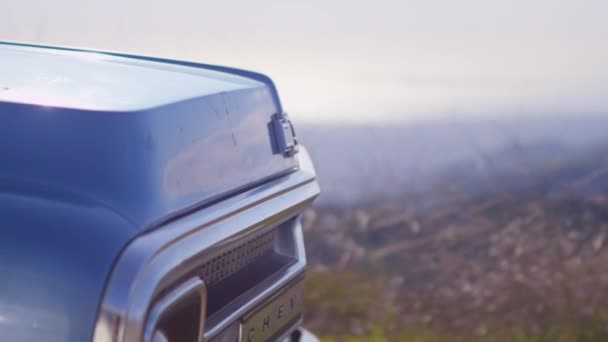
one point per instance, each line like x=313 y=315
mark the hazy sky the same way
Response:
x=359 y=60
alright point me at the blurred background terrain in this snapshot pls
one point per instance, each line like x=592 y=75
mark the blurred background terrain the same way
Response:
x=461 y=148
x=460 y=230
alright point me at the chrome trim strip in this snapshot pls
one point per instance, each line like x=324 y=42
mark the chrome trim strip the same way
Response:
x=161 y=258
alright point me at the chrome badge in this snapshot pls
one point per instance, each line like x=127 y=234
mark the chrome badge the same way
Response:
x=285 y=137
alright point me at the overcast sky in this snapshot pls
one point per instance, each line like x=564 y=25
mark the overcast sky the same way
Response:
x=359 y=60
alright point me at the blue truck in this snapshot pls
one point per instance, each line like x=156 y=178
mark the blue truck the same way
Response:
x=146 y=199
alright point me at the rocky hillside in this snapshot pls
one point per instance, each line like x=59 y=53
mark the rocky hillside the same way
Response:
x=520 y=257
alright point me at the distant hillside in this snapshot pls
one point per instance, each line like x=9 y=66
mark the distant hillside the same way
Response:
x=362 y=162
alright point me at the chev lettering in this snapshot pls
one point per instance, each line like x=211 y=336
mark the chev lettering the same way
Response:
x=275 y=316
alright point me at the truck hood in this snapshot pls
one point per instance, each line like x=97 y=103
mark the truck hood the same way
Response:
x=100 y=82
x=145 y=137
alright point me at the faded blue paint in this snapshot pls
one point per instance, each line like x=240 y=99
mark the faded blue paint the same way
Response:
x=56 y=250
x=82 y=174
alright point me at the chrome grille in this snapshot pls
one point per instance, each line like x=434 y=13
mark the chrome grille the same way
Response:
x=236 y=256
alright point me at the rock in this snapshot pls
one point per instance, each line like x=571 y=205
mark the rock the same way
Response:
x=415 y=227
x=598 y=242
x=481 y=331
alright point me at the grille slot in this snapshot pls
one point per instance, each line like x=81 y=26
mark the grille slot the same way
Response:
x=238 y=266
x=236 y=257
